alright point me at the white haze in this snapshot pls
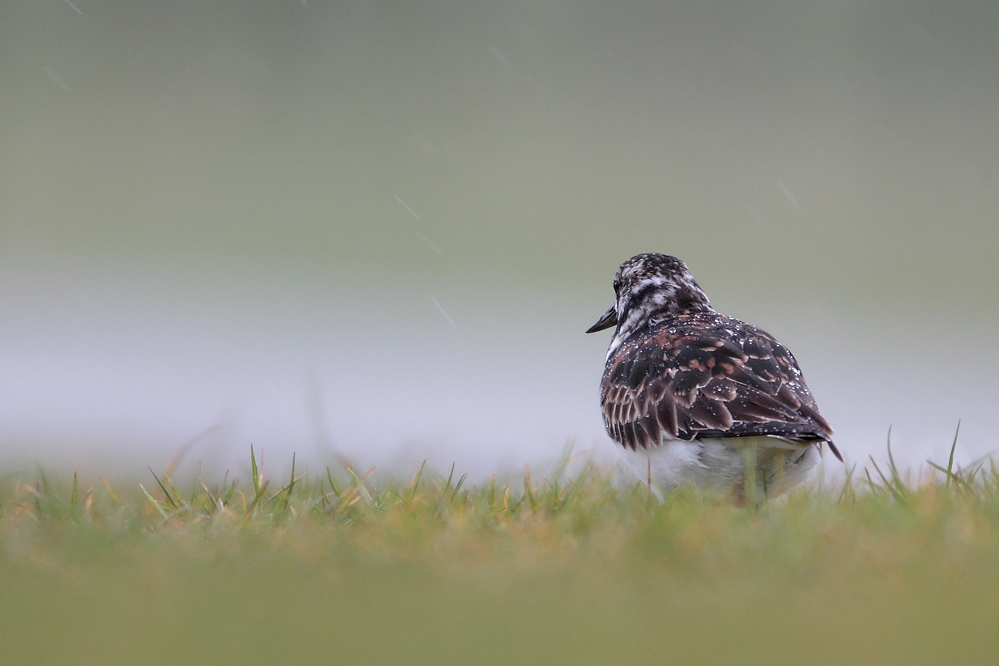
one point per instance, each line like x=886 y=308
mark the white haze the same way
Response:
x=376 y=232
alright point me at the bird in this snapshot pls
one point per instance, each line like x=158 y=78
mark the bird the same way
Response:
x=698 y=397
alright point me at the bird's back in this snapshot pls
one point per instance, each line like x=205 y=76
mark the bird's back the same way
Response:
x=705 y=375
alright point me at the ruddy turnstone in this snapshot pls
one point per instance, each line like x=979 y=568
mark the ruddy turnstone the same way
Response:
x=697 y=396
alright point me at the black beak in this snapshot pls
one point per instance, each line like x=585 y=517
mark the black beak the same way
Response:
x=606 y=320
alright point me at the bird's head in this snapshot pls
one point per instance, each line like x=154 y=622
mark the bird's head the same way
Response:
x=647 y=287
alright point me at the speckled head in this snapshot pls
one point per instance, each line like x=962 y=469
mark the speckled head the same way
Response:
x=650 y=284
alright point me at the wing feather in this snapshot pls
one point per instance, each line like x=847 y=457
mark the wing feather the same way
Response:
x=707 y=375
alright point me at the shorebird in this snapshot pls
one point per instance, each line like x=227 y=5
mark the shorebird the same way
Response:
x=696 y=396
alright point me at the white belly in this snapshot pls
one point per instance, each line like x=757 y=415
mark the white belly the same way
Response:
x=721 y=463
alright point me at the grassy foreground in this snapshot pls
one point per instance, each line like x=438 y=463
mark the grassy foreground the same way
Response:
x=577 y=568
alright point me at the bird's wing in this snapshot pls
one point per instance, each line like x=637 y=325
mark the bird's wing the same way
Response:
x=726 y=380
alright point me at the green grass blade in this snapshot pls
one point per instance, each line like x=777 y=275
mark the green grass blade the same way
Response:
x=74 y=493
x=953 y=448
x=254 y=471
x=156 y=504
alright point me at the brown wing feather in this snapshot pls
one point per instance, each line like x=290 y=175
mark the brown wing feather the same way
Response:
x=710 y=376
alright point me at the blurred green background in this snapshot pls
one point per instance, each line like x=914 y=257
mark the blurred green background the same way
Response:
x=378 y=230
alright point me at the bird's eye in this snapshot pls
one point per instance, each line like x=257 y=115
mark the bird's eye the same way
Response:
x=617 y=285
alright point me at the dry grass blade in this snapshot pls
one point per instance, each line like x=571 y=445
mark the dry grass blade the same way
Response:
x=166 y=492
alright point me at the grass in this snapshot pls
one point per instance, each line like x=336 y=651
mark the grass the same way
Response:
x=336 y=568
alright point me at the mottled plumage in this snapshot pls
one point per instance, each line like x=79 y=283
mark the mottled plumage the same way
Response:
x=691 y=390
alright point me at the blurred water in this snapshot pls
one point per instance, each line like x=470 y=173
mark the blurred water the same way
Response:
x=375 y=231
